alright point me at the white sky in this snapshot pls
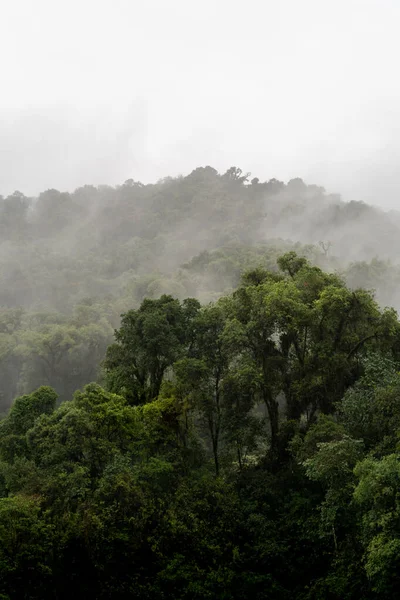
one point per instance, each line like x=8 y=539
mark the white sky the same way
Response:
x=98 y=91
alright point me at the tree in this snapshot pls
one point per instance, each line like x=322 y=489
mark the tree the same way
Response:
x=26 y=566
x=201 y=374
x=377 y=497
x=48 y=347
x=304 y=335
x=149 y=341
x=369 y=409
x=236 y=174
x=22 y=416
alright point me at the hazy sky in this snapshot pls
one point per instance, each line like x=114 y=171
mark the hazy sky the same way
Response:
x=98 y=91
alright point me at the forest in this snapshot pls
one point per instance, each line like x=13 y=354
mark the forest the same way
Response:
x=200 y=392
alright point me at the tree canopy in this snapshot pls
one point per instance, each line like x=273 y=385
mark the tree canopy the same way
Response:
x=199 y=392
x=240 y=448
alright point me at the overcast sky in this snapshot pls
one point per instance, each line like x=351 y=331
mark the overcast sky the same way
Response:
x=98 y=91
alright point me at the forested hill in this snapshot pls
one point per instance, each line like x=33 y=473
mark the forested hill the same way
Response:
x=61 y=247
x=200 y=400
x=248 y=448
x=72 y=263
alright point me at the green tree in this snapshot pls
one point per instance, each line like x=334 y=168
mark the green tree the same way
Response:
x=148 y=342
x=26 y=565
x=22 y=416
x=378 y=499
x=304 y=335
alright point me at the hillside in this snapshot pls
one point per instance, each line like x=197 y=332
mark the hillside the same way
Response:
x=61 y=247
x=72 y=263
x=247 y=448
x=200 y=393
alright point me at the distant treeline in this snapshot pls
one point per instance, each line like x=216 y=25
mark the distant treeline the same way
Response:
x=72 y=263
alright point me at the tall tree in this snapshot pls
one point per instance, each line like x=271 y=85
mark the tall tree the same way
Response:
x=148 y=342
x=304 y=334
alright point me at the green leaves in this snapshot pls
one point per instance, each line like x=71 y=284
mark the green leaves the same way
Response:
x=149 y=341
x=208 y=467
x=377 y=494
x=22 y=417
x=25 y=550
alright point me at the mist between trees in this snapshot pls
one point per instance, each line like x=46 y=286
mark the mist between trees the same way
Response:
x=204 y=392
x=72 y=263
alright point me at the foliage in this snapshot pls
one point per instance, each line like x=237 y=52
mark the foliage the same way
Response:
x=72 y=263
x=245 y=446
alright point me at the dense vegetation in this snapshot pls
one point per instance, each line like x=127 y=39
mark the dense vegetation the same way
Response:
x=242 y=436
x=72 y=263
x=245 y=448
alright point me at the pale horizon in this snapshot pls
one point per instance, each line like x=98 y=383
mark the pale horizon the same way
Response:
x=99 y=92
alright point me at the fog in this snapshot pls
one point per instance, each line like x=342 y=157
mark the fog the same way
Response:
x=98 y=92
x=199 y=299
x=120 y=124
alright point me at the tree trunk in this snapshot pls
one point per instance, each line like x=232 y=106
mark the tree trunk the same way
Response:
x=216 y=458
x=273 y=415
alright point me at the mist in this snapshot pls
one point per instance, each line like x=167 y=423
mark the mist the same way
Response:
x=98 y=93
x=110 y=117
x=199 y=299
